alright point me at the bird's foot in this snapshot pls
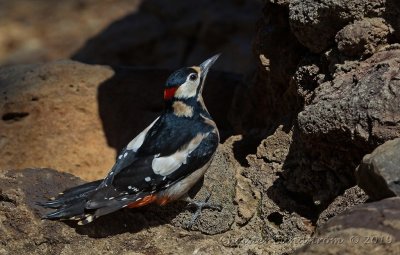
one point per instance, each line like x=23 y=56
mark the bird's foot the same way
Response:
x=200 y=205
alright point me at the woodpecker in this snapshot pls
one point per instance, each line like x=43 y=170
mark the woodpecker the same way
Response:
x=165 y=162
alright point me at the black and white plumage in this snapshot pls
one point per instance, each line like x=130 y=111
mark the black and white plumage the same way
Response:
x=161 y=164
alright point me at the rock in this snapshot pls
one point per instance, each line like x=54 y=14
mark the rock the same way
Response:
x=379 y=172
x=50 y=118
x=347 y=118
x=365 y=229
x=318 y=107
x=351 y=197
x=181 y=34
x=75 y=117
x=316 y=23
x=364 y=37
x=357 y=106
x=220 y=182
x=149 y=33
x=41 y=31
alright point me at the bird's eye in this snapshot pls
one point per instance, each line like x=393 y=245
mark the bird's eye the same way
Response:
x=193 y=77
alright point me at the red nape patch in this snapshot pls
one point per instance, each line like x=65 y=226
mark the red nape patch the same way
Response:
x=169 y=93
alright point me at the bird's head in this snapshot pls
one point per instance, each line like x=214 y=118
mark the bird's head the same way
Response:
x=187 y=82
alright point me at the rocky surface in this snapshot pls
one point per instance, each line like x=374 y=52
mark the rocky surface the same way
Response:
x=150 y=33
x=363 y=37
x=178 y=35
x=328 y=77
x=75 y=117
x=315 y=23
x=32 y=32
x=379 y=172
x=367 y=229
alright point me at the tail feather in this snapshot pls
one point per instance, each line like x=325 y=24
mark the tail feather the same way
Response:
x=86 y=202
x=75 y=210
x=71 y=203
x=81 y=189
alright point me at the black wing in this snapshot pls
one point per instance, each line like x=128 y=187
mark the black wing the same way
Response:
x=172 y=149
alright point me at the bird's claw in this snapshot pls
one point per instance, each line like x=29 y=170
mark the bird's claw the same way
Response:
x=200 y=205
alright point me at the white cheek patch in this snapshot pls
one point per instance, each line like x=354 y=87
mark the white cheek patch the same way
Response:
x=187 y=90
x=168 y=164
x=135 y=144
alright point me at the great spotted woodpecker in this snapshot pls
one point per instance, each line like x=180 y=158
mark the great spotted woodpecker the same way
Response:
x=161 y=164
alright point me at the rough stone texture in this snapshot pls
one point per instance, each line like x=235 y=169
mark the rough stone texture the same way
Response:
x=361 y=105
x=315 y=23
x=351 y=197
x=37 y=31
x=75 y=117
x=49 y=118
x=339 y=98
x=379 y=172
x=364 y=37
x=179 y=34
x=367 y=229
x=270 y=169
x=347 y=118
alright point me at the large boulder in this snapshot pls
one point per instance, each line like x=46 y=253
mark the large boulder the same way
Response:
x=347 y=118
x=327 y=77
x=363 y=37
x=379 y=172
x=316 y=23
x=366 y=229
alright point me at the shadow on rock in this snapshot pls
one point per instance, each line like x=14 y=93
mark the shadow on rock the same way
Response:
x=132 y=98
x=130 y=221
x=159 y=34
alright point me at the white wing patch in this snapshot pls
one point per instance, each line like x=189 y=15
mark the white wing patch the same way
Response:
x=135 y=144
x=168 y=164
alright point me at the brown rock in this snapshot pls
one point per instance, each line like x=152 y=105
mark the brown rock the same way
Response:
x=73 y=116
x=316 y=23
x=50 y=118
x=129 y=32
x=163 y=35
x=366 y=229
x=361 y=103
x=351 y=197
x=348 y=117
x=379 y=172
x=364 y=37
x=39 y=31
